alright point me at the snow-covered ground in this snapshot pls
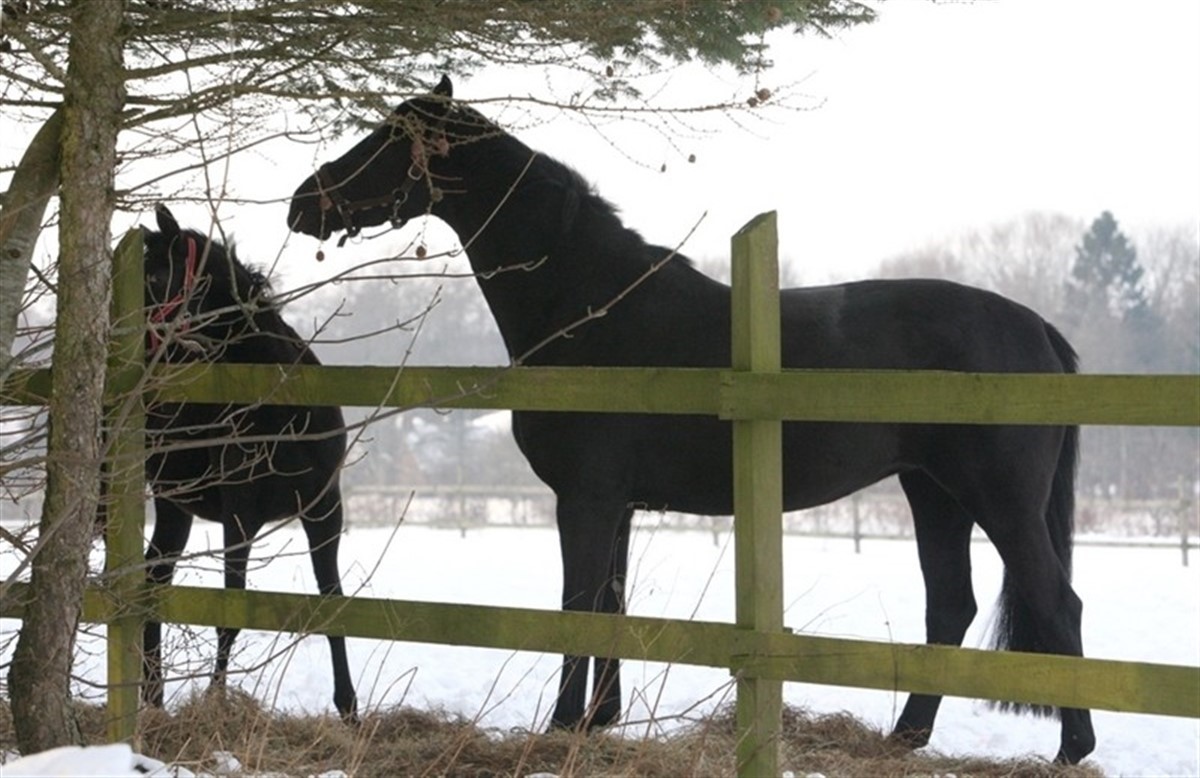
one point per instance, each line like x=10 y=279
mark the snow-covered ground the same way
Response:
x=1140 y=604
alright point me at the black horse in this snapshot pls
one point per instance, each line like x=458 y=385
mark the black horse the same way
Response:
x=240 y=465
x=568 y=254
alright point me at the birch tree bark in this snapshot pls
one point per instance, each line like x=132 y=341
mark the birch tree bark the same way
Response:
x=93 y=99
x=33 y=183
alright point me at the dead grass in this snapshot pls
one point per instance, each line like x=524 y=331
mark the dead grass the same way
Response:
x=408 y=742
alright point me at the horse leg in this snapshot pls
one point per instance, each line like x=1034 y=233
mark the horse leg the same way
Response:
x=238 y=537
x=943 y=532
x=1055 y=612
x=606 y=678
x=324 y=533
x=172 y=525
x=1043 y=609
x=587 y=533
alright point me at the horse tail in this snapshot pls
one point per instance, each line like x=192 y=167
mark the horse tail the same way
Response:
x=1014 y=629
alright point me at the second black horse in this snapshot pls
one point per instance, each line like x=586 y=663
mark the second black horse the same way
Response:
x=240 y=465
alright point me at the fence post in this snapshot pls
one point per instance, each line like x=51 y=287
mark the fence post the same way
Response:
x=855 y=499
x=126 y=424
x=1184 y=516
x=757 y=490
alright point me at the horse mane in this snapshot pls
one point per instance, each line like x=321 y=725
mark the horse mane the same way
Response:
x=583 y=206
x=250 y=281
x=465 y=125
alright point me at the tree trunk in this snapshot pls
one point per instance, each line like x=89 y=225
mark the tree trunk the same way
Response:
x=94 y=95
x=33 y=183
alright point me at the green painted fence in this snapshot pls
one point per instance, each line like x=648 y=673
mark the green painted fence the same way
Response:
x=791 y=395
x=755 y=394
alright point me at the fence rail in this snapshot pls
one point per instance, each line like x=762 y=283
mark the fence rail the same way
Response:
x=754 y=395
x=1043 y=679
x=792 y=395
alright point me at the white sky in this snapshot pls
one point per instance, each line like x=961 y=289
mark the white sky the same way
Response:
x=938 y=118
x=935 y=119
x=947 y=116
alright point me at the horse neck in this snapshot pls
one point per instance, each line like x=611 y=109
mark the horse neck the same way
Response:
x=252 y=331
x=497 y=190
x=528 y=237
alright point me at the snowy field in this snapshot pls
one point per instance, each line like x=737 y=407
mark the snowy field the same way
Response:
x=1139 y=604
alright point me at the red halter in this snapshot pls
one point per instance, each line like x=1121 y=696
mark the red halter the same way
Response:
x=161 y=313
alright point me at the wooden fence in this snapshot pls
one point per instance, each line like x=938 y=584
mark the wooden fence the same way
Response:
x=755 y=395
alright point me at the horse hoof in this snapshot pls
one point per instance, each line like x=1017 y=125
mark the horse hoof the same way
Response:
x=154 y=696
x=347 y=707
x=217 y=691
x=1074 y=748
x=910 y=739
x=586 y=725
x=557 y=725
x=602 y=719
x=1070 y=756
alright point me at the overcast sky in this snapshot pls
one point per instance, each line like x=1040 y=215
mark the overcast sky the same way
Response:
x=945 y=116
x=938 y=118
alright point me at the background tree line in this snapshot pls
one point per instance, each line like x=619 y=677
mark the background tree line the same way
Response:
x=1127 y=305
x=430 y=313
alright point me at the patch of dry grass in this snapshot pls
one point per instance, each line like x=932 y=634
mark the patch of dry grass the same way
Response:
x=408 y=742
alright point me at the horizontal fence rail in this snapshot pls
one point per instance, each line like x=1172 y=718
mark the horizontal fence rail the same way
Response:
x=795 y=395
x=1040 y=679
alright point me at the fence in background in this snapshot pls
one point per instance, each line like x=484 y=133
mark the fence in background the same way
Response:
x=859 y=517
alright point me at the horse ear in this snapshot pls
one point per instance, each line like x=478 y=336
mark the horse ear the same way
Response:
x=166 y=220
x=444 y=87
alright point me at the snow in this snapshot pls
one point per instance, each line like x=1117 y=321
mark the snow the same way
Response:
x=111 y=761
x=1139 y=604
x=119 y=761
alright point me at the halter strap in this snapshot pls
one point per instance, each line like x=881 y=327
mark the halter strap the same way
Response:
x=331 y=198
x=161 y=313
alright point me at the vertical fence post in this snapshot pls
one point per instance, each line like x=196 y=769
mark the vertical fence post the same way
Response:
x=855 y=499
x=757 y=490
x=124 y=576
x=1184 y=515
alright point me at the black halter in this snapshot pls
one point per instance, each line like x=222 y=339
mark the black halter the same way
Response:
x=331 y=196
x=329 y=191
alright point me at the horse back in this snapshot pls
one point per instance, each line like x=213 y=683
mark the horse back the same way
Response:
x=917 y=324
x=217 y=460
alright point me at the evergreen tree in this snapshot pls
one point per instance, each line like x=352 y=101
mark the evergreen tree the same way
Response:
x=1108 y=306
x=1116 y=329
x=1107 y=273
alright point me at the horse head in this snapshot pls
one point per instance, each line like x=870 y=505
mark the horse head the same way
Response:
x=361 y=188
x=197 y=294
